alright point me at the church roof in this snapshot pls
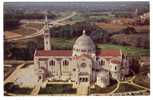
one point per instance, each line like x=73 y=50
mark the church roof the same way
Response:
x=102 y=53
x=53 y=53
x=109 y=52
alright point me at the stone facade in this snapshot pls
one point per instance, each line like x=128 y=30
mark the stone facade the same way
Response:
x=83 y=65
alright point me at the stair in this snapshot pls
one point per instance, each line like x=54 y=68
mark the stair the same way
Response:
x=83 y=89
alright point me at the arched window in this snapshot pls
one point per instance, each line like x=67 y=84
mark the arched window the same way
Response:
x=101 y=62
x=74 y=69
x=83 y=65
x=115 y=67
x=65 y=63
x=52 y=63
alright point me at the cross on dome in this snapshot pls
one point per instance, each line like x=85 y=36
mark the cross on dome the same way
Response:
x=84 y=32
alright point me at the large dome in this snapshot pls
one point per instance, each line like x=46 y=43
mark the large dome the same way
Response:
x=83 y=45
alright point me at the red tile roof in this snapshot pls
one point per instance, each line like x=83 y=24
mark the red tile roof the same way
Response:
x=103 y=53
x=110 y=52
x=53 y=53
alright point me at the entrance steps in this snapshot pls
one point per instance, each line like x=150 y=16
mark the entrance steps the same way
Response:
x=83 y=89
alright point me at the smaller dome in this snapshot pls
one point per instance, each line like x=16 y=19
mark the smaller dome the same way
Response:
x=84 y=45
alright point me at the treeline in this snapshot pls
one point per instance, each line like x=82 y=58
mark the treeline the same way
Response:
x=12 y=50
x=99 y=35
x=12 y=18
x=29 y=16
x=71 y=31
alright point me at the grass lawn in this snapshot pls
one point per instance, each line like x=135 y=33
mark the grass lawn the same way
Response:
x=11 y=88
x=77 y=17
x=111 y=87
x=98 y=89
x=35 y=25
x=98 y=17
x=140 y=79
x=125 y=87
x=127 y=49
x=65 y=43
x=23 y=31
x=58 y=89
x=111 y=27
x=62 y=43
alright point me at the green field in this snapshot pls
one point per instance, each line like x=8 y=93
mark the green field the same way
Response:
x=78 y=17
x=58 y=89
x=133 y=51
x=100 y=17
x=23 y=31
x=62 y=43
x=34 y=25
x=125 y=87
x=65 y=43
x=15 y=89
x=138 y=80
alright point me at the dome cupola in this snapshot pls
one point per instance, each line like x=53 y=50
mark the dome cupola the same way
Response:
x=84 y=45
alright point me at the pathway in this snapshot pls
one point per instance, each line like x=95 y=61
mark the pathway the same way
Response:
x=12 y=77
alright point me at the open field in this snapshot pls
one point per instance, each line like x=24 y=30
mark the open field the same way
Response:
x=15 y=89
x=111 y=27
x=62 y=43
x=68 y=43
x=58 y=89
x=9 y=34
x=23 y=31
x=8 y=71
x=117 y=27
x=125 y=87
x=127 y=49
x=145 y=82
x=108 y=89
x=142 y=29
x=78 y=17
x=99 y=17
x=35 y=25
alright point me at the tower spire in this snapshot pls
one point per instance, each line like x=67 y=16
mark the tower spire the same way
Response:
x=47 y=38
x=46 y=21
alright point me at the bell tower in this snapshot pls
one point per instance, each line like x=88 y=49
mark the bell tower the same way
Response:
x=47 y=38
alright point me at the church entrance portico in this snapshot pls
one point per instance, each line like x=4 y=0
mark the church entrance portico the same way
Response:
x=84 y=84
x=84 y=78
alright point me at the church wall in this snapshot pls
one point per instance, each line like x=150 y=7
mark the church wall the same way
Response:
x=65 y=68
x=43 y=67
x=115 y=71
x=103 y=63
x=103 y=79
x=54 y=68
x=74 y=70
x=85 y=70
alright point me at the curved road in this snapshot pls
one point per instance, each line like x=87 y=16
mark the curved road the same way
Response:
x=40 y=32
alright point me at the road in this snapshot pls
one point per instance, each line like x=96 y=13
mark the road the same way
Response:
x=40 y=32
x=11 y=78
x=50 y=21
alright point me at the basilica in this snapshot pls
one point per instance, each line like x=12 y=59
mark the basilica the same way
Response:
x=84 y=65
